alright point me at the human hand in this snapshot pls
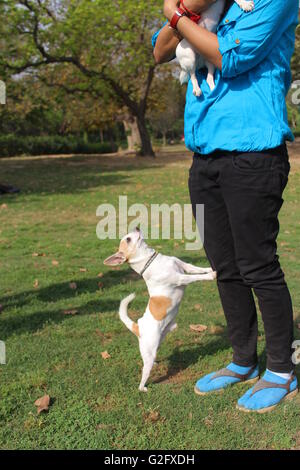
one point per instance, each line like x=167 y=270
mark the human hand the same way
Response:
x=169 y=8
x=197 y=6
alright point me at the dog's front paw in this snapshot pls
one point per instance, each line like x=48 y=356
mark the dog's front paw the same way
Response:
x=211 y=83
x=197 y=92
x=247 y=5
x=208 y=270
x=143 y=389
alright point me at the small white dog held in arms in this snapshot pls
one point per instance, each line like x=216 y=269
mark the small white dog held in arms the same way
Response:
x=189 y=59
x=166 y=278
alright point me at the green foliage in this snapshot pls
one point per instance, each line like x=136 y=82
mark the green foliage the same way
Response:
x=99 y=47
x=293 y=116
x=112 y=40
x=296 y=57
x=11 y=145
x=166 y=104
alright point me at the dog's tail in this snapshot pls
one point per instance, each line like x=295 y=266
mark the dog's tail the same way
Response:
x=131 y=325
x=184 y=77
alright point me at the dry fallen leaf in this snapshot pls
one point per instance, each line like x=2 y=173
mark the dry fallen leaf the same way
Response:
x=198 y=328
x=152 y=416
x=100 y=275
x=216 y=330
x=36 y=283
x=208 y=421
x=198 y=307
x=70 y=312
x=73 y=285
x=83 y=270
x=42 y=404
x=99 y=333
x=105 y=337
x=55 y=263
x=35 y=255
x=105 y=355
x=4 y=206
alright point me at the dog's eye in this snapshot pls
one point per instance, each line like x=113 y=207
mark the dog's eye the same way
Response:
x=128 y=239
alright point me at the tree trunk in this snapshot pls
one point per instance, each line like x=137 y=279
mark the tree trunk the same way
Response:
x=101 y=136
x=111 y=138
x=146 y=146
x=164 y=139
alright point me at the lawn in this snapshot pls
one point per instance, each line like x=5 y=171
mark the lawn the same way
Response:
x=95 y=402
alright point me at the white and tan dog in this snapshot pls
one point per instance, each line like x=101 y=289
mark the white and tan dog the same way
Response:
x=166 y=278
x=190 y=60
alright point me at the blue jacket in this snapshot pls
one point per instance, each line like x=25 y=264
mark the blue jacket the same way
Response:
x=247 y=110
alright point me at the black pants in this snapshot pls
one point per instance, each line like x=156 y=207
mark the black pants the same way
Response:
x=242 y=195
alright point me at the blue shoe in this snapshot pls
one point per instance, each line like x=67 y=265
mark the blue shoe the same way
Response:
x=268 y=393
x=232 y=374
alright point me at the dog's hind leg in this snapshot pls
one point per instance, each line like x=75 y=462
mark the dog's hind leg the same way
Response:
x=148 y=364
x=210 y=76
x=196 y=89
x=169 y=328
x=148 y=356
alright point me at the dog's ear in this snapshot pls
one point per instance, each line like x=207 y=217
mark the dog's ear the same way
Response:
x=115 y=260
x=138 y=230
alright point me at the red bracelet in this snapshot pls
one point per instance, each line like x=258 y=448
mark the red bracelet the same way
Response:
x=191 y=14
x=179 y=13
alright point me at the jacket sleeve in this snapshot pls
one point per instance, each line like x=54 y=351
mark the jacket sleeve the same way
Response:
x=255 y=34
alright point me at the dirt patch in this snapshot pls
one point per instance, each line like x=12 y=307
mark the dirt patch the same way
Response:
x=113 y=160
x=297 y=441
x=164 y=374
x=294 y=150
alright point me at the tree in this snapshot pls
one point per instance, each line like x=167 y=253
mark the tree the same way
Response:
x=293 y=108
x=167 y=100
x=30 y=109
x=296 y=56
x=106 y=44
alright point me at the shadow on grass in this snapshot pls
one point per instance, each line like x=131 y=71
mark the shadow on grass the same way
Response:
x=29 y=323
x=20 y=324
x=55 y=292
x=61 y=175
x=181 y=360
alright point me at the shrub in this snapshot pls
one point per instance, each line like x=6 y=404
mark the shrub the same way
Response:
x=11 y=145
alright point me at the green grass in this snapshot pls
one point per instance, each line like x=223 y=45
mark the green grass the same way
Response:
x=95 y=403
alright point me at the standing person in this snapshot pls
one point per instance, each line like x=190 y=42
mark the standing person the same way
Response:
x=238 y=134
